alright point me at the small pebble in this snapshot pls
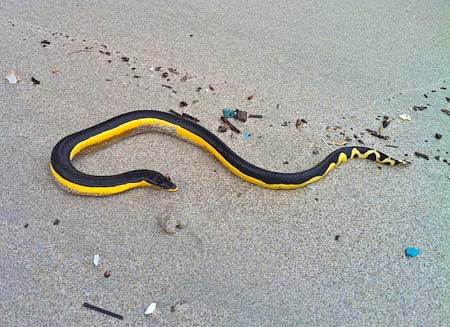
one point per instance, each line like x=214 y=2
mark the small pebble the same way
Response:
x=438 y=136
x=107 y=274
x=241 y=115
x=35 y=81
x=96 y=260
x=247 y=136
x=56 y=222
x=12 y=77
x=150 y=309
x=222 y=129
x=336 y=238
x=412 y=252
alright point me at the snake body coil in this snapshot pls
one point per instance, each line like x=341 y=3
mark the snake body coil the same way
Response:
x=67 y=175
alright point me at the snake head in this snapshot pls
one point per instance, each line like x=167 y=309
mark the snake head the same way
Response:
x=159 y=180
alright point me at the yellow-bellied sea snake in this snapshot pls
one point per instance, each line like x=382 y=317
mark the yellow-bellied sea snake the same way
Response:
x=67 y=175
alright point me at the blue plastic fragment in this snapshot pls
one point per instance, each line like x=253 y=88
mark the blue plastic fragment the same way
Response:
x=229 y=113
x=247 y=136
x=412 y=252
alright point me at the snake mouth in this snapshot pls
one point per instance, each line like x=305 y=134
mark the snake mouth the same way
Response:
x=165 y=185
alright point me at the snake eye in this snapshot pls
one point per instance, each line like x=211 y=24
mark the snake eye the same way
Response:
x=167 y=178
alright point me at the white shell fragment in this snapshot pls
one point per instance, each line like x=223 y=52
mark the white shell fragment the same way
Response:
x=404 y=117
x=96 y=260
x=12 y=77
x=150 y=309
x=311 y=186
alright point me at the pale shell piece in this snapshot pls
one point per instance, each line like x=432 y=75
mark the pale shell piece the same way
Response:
x=150 y=309
x=404 y=117
x=311 y=186
x=96 y=260
x=12 y=77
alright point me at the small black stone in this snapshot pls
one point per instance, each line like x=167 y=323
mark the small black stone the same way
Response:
x=56 y=222
x=35 y=81
x=183 y=104
x=336 y=238
x=438 y=136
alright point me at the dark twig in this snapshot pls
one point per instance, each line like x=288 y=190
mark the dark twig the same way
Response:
x=175 y=113
x=230 y=125
x=106 y=312
x=422 y=155
x=185 y=115
x=376 y=134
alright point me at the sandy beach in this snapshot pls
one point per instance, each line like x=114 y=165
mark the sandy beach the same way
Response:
x=243 y=255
